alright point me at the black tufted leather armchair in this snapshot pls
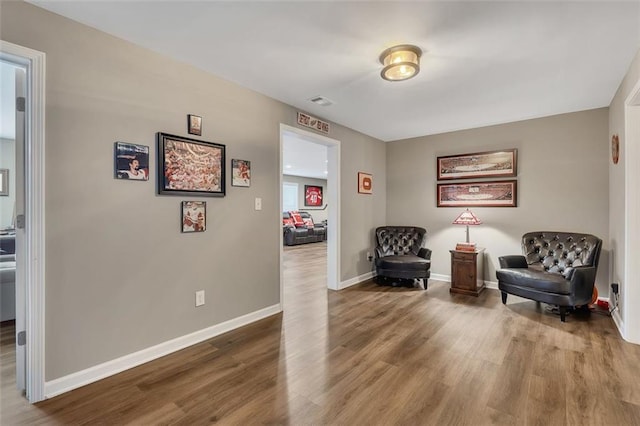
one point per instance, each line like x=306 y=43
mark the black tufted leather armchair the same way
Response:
x=557 y=268
x=399 y=255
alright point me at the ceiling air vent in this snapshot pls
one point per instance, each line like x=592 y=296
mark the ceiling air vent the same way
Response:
x=321 y=100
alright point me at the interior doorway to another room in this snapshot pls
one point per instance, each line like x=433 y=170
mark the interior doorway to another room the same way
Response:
x=309 y=185
x=23 y=260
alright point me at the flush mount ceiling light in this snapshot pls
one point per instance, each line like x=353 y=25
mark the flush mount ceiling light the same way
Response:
x=400 y=62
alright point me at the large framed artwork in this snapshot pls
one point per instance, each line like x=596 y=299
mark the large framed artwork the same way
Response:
x=312 y=196
x=478 y=194
x=190 y=167
x=478 y=165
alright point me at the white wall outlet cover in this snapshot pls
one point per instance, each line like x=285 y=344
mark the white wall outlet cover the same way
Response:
x=258 y=203
x=200 y=298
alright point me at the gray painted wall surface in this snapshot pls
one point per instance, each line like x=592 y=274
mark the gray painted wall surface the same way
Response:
x=318 y=213
x=617 y=172
x=562 y=186
x=120 y=277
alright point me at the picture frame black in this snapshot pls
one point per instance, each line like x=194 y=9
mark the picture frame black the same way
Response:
x=193 y=216
x=194 y=124
x=313 y=196
x=131 y=161
x=190 y=167
x=240 y=173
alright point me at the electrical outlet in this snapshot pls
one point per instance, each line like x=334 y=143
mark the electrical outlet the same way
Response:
x=615 y=288
x=200 y=298
x=369 y=257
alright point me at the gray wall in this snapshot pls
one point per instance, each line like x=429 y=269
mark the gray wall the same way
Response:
x=120 y=276
x=318 y=213
x=8 y=161
x=562 y=185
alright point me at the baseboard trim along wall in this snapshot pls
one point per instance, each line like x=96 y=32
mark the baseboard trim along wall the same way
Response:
x=109 y=368
x=447 y=278
x=356 y=280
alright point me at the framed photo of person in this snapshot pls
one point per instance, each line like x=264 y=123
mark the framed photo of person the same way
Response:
x=194 y=216
x=312 y=196
x=240 y=173
x=194 y=124
x=190 y=167
x=131 y=161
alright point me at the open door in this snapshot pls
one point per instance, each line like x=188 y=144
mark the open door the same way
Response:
x=19 y=224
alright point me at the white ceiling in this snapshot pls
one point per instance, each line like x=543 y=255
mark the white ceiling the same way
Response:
x=303 y=158
x=484 y=62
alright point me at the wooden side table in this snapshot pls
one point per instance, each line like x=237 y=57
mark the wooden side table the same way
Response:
x=467 y=273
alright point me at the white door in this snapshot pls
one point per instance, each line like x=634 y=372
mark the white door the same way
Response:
x=21 y=299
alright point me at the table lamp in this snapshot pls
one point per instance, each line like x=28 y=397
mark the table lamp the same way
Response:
x=467 y=218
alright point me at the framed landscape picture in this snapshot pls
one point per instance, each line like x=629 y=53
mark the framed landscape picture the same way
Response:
x=131 y=161
x=478 y=194
x=190 y=167
x=240 y=172
x=478 y=165
x=194 y=216
x=312 y=196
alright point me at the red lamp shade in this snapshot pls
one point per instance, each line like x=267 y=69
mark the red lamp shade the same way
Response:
x=467 y=218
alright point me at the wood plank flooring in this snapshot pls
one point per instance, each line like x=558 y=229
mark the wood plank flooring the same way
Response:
x=368 y=355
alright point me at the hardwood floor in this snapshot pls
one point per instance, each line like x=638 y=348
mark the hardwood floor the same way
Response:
x=369 y=355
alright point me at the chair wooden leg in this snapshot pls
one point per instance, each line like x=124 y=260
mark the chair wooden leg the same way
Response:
x=504 y=297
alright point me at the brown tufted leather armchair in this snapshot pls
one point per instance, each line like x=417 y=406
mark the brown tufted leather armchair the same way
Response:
x=399 y=255
x=558 y=268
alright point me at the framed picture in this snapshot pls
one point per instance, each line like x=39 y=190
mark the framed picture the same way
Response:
x=194 y=124
x=131 y=161
x=478 y=165
x=478 y=194
x=615 y=149
x=365 y=183
x=194 y=216
x=240 y=172
x=190 y=167
x=4 y=182
x=312 y=196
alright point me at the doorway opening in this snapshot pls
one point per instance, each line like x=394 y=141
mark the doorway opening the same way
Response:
x=26 y=228
x=630 y=152
x=317 y=197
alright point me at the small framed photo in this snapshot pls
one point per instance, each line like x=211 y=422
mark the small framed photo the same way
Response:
x=4 y=182
x=240 y=172
x=194 y=124
x=365 y=183
x=131 y=161
x=312 y=196
x=194 y=216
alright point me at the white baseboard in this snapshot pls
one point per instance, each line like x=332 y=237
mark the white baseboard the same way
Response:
x=491 y=284
x=356 y=280
x=109 y=368
x=617 y=319
x=440 y=277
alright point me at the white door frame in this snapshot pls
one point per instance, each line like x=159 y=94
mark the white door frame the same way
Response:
x=333 y=200
x=34 y=266
x=631 y=154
